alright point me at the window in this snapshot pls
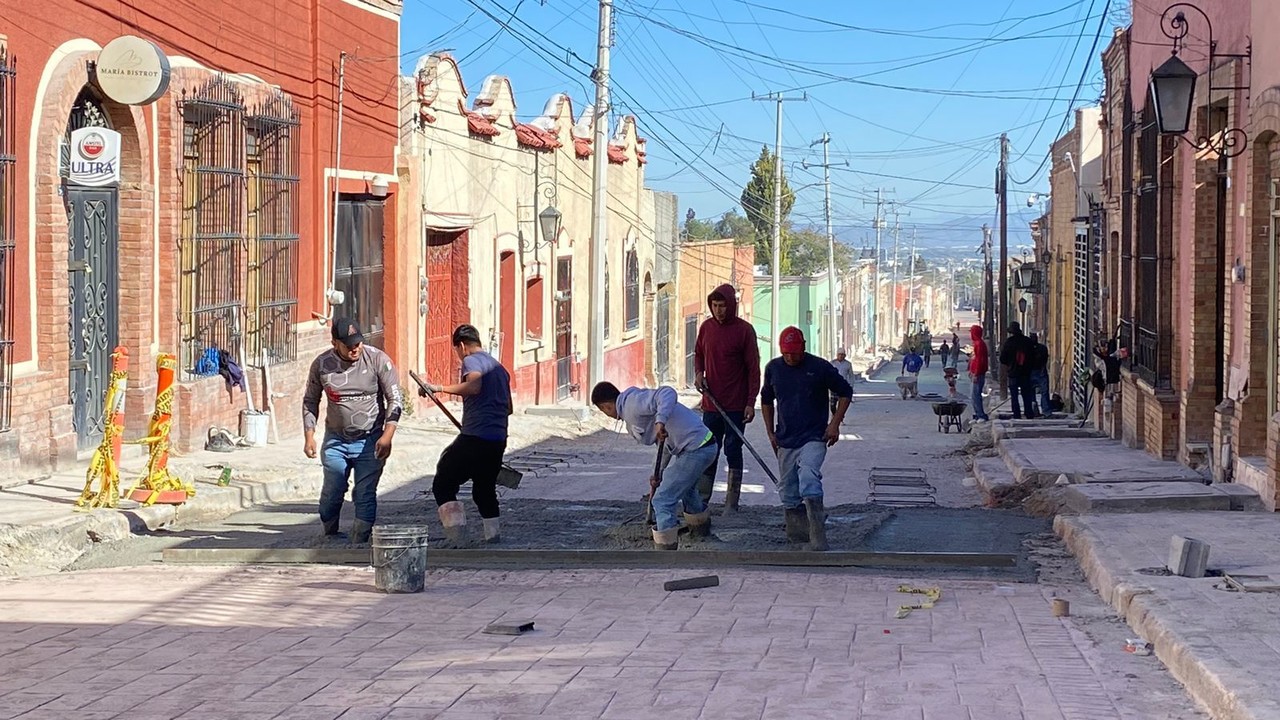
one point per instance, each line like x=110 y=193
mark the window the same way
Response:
x=533 y=309
x=272 y=148
x=1145 y=351
x=211 y=246
x=8 y=206
x=359 y=264
x=633 y=290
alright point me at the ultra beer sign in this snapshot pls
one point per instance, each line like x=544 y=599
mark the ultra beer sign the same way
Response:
x=95 y=157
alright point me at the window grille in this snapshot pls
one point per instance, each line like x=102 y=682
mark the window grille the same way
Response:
x=8 y=206
x=212 y=243
x=273 y=162
x=633 y=290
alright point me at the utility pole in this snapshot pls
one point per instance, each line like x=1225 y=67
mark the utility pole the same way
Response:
x=988 y=292
x=832 y=343
x=875 y=276
x=599 y=203
x=774 y=323
x=1002 y=188
x=894 y=329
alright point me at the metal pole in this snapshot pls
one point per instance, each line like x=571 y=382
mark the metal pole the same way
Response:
x=988 y=293
x=832 y=341
x=875 y=275
x=599 y=204
x=911 y=283
x=337 y=173
x=774 y=328
x=1003 y=190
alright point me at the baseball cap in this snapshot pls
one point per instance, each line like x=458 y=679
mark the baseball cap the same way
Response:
x=347 y=332
x=791 y=340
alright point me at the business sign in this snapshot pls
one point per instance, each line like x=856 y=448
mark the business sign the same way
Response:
x=132 y=71
x=95 y=157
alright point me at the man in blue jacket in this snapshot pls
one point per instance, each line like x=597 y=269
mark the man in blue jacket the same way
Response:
x=799 y=384
x=656 y=416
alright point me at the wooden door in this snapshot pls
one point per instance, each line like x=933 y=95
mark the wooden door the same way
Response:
x=441 y=359
x=507 y=340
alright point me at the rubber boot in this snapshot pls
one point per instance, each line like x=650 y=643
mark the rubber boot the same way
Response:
x=491 y=534
x=699 y=524
x=666 y=539
x=817 y=524
x=360 y=531
x=797 y=525
x=707 y=485
x=331 y=527
x=733 y=491
x=454 y=519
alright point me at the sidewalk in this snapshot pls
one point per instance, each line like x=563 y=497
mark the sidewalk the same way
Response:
x=1223 y=646
x=43 y=531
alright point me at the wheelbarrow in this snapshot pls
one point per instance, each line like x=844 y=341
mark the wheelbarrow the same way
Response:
x=950 y=415
x=909 y=385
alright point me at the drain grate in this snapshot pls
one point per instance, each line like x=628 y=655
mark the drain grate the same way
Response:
x=901 y=487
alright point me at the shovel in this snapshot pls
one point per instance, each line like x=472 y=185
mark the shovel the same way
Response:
x=507 y=476
x=657 y=473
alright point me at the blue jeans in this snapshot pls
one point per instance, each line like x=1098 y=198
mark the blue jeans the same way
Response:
x=979 y=383
x=342 y=458
x=680 y=484
x=1041 y=379
x=801 y=473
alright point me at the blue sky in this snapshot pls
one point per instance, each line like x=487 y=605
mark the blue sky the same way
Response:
x=960 y=74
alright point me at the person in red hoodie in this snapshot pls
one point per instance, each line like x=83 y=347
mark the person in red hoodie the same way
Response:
x=726 y=360
x=979 y=365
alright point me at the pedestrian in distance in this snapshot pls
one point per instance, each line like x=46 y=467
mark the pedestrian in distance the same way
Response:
x=979 y=366
x=928 y=347
x=793 y=403
x=726 y=362
x=688 y=447
x=474 y=456
x=845 y=368
x=361 y=413
x=912 y=362
x=944 y=352
x=1017 y=356
x=1040 y=373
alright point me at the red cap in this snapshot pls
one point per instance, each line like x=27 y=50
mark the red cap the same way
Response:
x=791 y=340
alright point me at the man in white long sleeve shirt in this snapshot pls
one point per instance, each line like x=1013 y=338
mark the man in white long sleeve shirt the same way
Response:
x=656 y=416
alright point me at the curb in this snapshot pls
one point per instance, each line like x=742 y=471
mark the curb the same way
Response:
x=1177 y=648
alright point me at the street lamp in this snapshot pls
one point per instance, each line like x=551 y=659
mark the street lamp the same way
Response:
x=1022 y=309
x=1173 y=86
x=1026 y=276
x=549 y=222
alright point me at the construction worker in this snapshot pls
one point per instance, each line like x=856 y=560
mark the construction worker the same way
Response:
x=476 y=454
x=726 y=360
x=363 y=408
x=656 y=416
x=799 y=384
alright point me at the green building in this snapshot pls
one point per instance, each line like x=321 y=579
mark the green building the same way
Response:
x=802 y=302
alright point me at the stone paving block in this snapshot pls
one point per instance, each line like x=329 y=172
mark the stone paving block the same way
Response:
x=1144 y=497
x=1188 y=557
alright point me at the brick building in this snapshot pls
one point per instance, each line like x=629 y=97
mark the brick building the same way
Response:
x=216 y=234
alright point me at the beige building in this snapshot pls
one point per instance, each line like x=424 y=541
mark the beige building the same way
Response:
x=704 y=265
x=503 y=210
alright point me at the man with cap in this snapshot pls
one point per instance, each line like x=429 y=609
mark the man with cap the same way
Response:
x=845 y=368
x=799 y=384
x=476 y=454
x=363 y=408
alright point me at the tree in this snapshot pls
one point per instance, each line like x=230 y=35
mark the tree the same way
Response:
x=733 y=225
x=807 y=253
x=757 y=203
x=696 y=229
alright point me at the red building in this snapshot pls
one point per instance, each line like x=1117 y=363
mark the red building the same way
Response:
x=214 y=234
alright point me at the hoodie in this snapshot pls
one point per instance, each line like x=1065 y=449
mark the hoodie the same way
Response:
x=729 y=356
x=1018 y=354
x=640 y=409
x=980 y=363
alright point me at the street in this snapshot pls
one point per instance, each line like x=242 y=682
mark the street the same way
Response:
x=139 y=639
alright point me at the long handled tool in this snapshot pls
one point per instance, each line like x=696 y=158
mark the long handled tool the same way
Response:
x=657 y=474
x=732 y=426
x=507 y=475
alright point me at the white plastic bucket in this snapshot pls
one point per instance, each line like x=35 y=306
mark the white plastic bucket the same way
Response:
x=253 y=426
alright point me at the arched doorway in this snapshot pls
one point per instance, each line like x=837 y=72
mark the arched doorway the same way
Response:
x=93 y=232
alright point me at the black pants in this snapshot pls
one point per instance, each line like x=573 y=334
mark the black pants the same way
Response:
x=727 y=439
x=1022 y=388
x=469 y=458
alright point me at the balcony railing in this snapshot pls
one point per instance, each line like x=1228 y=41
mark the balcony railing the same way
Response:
x=1126 y=339
x=1146 y=355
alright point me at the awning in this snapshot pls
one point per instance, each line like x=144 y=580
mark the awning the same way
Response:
x=448 y=222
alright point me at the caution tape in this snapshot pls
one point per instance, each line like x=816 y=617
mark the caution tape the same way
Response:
x=932 y=595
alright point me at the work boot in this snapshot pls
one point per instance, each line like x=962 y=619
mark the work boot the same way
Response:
x=817 y=524
x=360 y=531
x=699 y=523
x=797 y=525
x=491 y=530
x=666 y=539
x=454 y=519
x=733 y=491
x=331 y=527
x=707 y=485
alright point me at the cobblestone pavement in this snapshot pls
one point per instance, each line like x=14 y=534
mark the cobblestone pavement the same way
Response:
x=156 y=642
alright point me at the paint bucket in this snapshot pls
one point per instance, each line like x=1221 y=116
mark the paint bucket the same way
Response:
x=399 y=558
x=253 y=427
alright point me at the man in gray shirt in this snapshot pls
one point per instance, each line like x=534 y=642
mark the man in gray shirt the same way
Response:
x=363 y=408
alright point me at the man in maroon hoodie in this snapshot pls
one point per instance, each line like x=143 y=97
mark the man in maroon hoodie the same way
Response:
x=979 y=365
x=726 y=359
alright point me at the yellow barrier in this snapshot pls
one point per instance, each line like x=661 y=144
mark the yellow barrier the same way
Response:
x=157 y=484
x=105 y=464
